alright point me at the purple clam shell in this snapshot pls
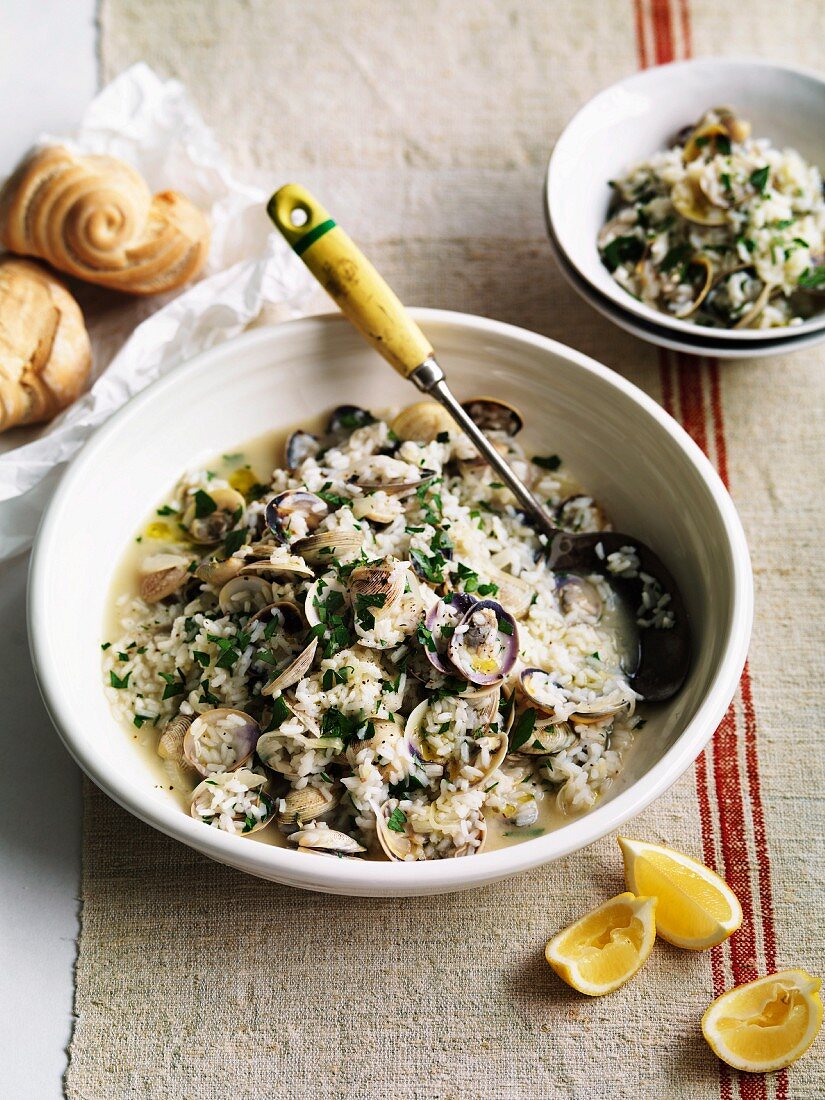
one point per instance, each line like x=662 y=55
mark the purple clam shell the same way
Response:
x=451 y=610
x=507 y=638
x=277 y=510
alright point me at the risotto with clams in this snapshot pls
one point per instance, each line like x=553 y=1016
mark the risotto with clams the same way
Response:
x=367 y=654
x=722 y=230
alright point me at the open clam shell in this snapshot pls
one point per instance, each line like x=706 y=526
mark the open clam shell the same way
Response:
x=490 y=752
x=235 y=802
x=392 y=475
x=701 y=270
x=299 y=447
x=220 y=740
x=294 y=672
x=218 y=571
x=484 y=647
x=273 y=742
x=295 y=513
x=441 y=622
x=578 y=598
x=326 y=546
x=491 y=414
x=692 y=203
x=391 y=832
x=385 y=580
x=244 y=595
x=558 y=704
x=210 y=516
x=161 y=575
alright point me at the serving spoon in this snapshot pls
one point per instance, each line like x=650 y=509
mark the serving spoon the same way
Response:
x=368 y=302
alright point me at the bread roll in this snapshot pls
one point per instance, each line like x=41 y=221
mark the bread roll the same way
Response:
x=45 y=356
x=95 y=218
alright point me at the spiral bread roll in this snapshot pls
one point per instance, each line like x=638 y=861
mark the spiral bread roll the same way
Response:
x=45 y=356
x=94 y=217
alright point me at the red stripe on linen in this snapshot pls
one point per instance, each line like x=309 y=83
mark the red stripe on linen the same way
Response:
x=641 y=45
x=726 y=774
x=662 y=32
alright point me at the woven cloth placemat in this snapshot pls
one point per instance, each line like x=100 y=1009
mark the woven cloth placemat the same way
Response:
x=427 y=125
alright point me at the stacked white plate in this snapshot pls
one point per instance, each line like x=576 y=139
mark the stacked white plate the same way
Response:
x=639 y=116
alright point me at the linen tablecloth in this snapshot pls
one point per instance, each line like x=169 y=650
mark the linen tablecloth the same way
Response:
x=426 y=127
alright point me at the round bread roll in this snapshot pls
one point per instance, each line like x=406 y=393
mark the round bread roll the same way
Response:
x=45 y=355
x=94 y=217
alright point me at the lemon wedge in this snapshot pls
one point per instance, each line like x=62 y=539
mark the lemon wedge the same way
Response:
x=606 y=947
x=696 y=908
x=766 y=1024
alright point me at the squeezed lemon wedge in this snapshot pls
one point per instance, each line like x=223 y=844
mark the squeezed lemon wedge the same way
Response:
x=696 y=908
x=766 y=1024
x=606 y=947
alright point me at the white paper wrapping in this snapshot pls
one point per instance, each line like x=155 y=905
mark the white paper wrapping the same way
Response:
x=152 y=124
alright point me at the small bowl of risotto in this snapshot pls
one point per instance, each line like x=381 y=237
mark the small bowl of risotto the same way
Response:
x=320 y=641
x=690 y=197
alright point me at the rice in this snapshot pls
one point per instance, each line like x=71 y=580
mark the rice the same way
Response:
x=392 y=718
x=722 y=229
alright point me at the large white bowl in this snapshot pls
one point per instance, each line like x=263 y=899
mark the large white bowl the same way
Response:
x=640 y=115
x=636 y=459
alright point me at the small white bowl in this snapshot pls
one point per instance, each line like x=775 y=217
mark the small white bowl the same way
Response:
x=652 y=478
x=639 y=116
x=690 y=344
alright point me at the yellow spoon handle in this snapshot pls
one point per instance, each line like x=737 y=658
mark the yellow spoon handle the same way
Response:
x=349 y=278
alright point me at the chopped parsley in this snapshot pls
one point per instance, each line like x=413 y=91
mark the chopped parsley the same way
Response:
x=397 y=820
x=523 y=729
x=813 y=278
x=204 y=504
x=118 y=682
x=622 y=250
x=675 y=256
x=759 y=179
x=547 y=462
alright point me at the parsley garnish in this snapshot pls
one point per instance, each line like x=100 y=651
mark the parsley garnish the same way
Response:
x=676 y=255
x=622 y=250
x=117 y=682
x=547 y=462
x=204 y=504
x=523 y=729
x=813 y=278
x=397 y=820
x=759 y=178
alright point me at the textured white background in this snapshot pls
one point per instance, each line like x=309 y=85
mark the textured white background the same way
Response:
x=48 y=72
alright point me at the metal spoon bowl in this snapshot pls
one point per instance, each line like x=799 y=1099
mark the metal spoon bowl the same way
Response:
x=369 y=303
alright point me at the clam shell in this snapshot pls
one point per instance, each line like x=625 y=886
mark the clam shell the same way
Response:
x=423 y=422
x=170 y=745
x=219 y=572
x=281 y=508
x=294 y=672
x=324 y=839
x=244 y=738
x=481 y=649
x=491 y=414
x=308 y=804
x=213 y=528
x=244 y=594
x=162 y=575
x=326 y=546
